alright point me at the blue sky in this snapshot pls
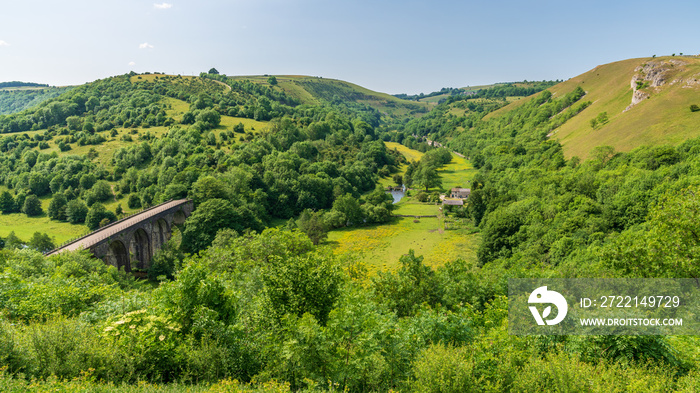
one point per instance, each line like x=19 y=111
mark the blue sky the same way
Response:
x=388 y=46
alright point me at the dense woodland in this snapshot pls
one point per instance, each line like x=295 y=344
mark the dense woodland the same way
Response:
x=275 y=309
x=499 y=90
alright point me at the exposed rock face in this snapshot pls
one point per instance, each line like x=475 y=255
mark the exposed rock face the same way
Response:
x=637 y=97
x=692 y=81
x=653 y=74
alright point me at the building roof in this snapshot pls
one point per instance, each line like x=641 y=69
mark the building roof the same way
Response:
x=453 y=202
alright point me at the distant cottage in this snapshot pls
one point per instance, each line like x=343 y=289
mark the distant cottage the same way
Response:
x=453 y=202
x=462 y=193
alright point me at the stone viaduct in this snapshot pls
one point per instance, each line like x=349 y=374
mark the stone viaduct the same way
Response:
x=131 y=242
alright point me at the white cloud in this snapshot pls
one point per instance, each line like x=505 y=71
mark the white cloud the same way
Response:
x=4 y=43
x=131 y=63
x=146 y=45
x=162 y=6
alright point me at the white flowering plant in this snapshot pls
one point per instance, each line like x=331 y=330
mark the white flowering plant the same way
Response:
x=150 y=340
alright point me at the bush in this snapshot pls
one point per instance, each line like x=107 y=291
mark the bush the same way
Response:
x=422 y=196
x=442 y=368
x=62 y=146
x=165 y=262
x=564 y=373
x=694 y=108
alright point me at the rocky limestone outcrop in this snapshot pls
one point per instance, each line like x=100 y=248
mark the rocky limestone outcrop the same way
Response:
x=653 y=74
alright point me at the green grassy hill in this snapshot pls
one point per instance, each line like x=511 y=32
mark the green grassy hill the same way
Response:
x=314 y=90
x=668 y=86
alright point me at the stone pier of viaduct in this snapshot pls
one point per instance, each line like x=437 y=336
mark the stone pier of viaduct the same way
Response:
x=131 y=242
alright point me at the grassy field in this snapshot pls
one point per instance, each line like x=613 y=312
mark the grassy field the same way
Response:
x=410 y=154
x=380 y=246
x=458 y=173
x=24 y=227
x=455 y=174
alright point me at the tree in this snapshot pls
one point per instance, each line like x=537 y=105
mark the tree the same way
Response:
x=408 y=175
x=165 y=262
x=97 y=214
x=206 y=188
x=272 y=80
x=19 y=202
x=667 y=245
x=205 y=221
x=56 y=183
x=308 y=283
x=398 y=180
x=87 y=181
x=76 y=211
x=41 y=242
x=32 y=206
x=404 y=291
x=208 y=118
x=312 y=224
x=349 y=209
x=134 y=202
x=63 y=146
x=39 y=184
x=57 y=207
x=213 y=71
x=102 y=191
x=175 y=191
x=7 y=203
x=427 y=176
x=12 y=241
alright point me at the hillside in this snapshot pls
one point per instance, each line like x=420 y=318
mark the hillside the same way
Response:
x=18 y=96
x=135 y=140
x=315 y=90
x=664 y=88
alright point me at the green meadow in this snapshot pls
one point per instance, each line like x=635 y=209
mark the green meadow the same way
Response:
x=24 y=227
x=379 y=247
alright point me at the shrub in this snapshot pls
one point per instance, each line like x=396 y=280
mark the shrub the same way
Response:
x=165 y=262
x=422 y=196
x=694 y=108
x=444 y=368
